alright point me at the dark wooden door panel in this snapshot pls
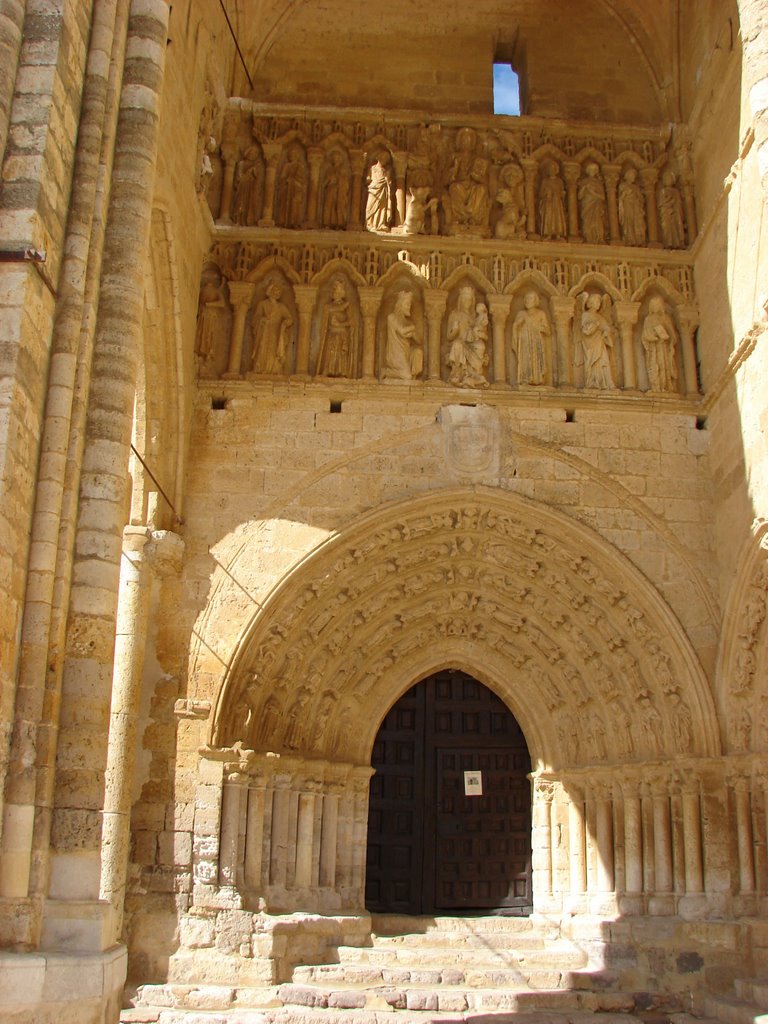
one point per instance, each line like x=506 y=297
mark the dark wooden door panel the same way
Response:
x=430 y=846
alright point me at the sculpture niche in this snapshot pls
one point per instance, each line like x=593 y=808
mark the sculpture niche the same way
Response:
x=271 y=327
x=531 y=333
x=337 y=354
x=660 y=343
x=595 y=339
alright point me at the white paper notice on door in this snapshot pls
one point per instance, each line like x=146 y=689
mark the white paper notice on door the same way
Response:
x=473 y=783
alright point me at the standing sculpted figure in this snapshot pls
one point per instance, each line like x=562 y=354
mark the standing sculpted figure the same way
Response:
x=552 y=203
x=378 y=208
x=403 y=354
x=246 y=204
x=531 y=332
x=595 y=340
x=337 y=354
x=592 y=204
x=468 y=338
x=631 y=209
x=335 y=192
x=272 y=322
x=660 y=342
x=212 y=314
x=293 y=190
x=671 y=213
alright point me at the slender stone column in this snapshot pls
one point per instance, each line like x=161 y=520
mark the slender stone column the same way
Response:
x=576 y=846
x=315 y=158
x=662 y=842
x=144 y=556
x=648 y=860
x=542 y=837
x=370 y=301
x=604 y=835
x=572 y=172
x=498 y=307
x=611 y=174
x=562 y=313
x=281 y=816
x=241 y=294
x=306 y=299
x=254 y=835
x=689 y=321
x=633 y=843
x=87 y=673
x=694 y=873
x=329 y=840
x=229 y=158
x=744 y=836
x=530 y=169
x=434 y=303
x=401 y=163
x=649 y=176
x=304 y=839
x=357 y=167
x=233 y=811
x=627 y=314
x=689 y=203
x=272 y=151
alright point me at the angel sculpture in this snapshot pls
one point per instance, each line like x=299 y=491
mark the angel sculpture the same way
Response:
x=595 y=337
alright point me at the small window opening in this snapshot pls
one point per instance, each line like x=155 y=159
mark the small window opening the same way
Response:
x=701 y=422
x=570 y=415
x=218 y=402
x=506 y=90
x=335 y=407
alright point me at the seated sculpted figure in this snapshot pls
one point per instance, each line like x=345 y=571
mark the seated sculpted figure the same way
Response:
x=468 y=201
x=403 y=353
x=468 y=341
x=511 y=195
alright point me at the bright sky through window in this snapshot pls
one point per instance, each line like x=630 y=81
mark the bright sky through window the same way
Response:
x=506 y=90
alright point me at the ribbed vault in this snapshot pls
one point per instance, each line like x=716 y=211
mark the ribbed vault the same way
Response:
x=581 y=647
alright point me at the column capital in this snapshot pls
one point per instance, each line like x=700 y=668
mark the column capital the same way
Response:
x=370 y=300
x=500 y=304
x=435 y=302
x=688 y=317
x=166 y=552
x=649 y=176
x=272 y=151
x=241 y=292
x=611 y=173
x=305 y=295
x=563 y=307
x=572 y=171
x=627 y=312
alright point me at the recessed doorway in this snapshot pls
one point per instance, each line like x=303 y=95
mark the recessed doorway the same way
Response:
x=449 y=822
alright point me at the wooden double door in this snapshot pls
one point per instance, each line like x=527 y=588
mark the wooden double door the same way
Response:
x=449 y=825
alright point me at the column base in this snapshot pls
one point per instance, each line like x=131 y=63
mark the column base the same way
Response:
x=77 y=926
x=60 y=988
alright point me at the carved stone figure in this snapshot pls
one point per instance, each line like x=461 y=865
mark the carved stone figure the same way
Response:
x=212 y=314
x=292 y=191
x=531 y=332
x=592 y=204
x=631 y=209
x=552 y=223
x=511 y=196
x=660 y=342
x=272 y=323
x=468 y=340
x=337 y=354
x=403 y=353
x=246 y=203
x=296 y=719
x=335 y=205
x=671 y=220
x=468 y=202
x=419 y=206
x=207 y=143
x=378 y=208
x=595 y=338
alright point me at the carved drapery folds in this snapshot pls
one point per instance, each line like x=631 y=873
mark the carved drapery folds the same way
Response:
x=473 y=182
x=269 y=310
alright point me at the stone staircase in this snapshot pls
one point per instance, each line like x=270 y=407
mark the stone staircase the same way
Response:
x=461 y=970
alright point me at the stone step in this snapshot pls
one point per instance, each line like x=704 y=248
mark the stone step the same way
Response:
x=753 y=990
x=163 y=1015
x=561 y=954
x=732 y=1010
x=514 y=972
x=208 y=998
x=465 y=940
x=400 y=924
x=449 y=1000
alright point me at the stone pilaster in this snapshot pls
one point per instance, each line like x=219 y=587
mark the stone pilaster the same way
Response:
x=241 y=295
x=627 y=314
x=435 y=303
x=562 y=314
x=272 y=151
x=498 y=307
x=572 y=172
x=370 y=301
x=306 y=299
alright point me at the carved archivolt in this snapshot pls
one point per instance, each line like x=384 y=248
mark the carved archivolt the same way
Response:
x=568 y=633
x=743 y=670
